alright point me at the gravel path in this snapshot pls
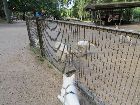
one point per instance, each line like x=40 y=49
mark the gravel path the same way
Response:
x=23 y=79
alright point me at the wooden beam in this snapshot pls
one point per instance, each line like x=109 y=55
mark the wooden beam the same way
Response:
x=121 y=5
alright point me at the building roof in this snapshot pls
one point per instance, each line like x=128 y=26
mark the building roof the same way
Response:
x=118 y=5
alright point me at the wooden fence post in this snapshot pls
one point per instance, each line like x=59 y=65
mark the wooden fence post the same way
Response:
x=40 y=37
x=28 y=20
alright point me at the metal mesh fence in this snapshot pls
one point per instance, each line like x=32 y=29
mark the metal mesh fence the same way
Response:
x=106 y=60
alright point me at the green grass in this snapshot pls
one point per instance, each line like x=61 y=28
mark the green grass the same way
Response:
x=36 y=51
x=42 y=60
x=49 y=65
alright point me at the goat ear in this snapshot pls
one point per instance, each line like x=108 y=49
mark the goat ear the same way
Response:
x=73 y=76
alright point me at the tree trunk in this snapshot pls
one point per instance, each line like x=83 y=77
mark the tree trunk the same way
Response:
x=23 y=16
x=7 y=11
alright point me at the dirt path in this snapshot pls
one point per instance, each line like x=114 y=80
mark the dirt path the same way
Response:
x=24 y=80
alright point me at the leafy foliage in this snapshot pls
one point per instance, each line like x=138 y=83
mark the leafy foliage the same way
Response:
x=50 y=6
x=1 y=9
x=59 y=8
x=136 y=12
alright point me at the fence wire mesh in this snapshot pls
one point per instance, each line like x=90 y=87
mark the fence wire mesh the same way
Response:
x=106 y=60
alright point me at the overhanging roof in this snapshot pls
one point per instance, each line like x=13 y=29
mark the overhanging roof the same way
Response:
x=119 y=5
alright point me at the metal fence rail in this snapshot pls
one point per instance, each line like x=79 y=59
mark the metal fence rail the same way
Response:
x=106 y=60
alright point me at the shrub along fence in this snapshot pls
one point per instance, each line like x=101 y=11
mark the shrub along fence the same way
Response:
x=106 y=60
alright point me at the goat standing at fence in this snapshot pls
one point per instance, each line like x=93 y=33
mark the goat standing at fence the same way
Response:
x=68 y=94
x=83 y=46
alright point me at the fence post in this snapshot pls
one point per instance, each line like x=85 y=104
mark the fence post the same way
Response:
x=40 y=37
x=28 y=29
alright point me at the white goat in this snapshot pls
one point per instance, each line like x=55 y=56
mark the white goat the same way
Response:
x=68 y=94
x=83 y=45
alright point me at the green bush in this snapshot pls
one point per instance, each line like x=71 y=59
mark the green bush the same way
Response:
x=136 y=13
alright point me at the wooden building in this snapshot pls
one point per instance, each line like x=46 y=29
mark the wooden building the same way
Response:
x=112 y=13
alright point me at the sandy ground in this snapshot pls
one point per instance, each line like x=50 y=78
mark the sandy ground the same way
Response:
x=23 y=79
x=132 y=27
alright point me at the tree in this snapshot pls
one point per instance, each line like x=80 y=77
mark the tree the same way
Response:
x=77 y=10
x=51 y=7
x=2 y=14
x=7 y=11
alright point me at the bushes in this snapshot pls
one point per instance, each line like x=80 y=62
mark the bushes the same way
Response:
x=136 y=14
